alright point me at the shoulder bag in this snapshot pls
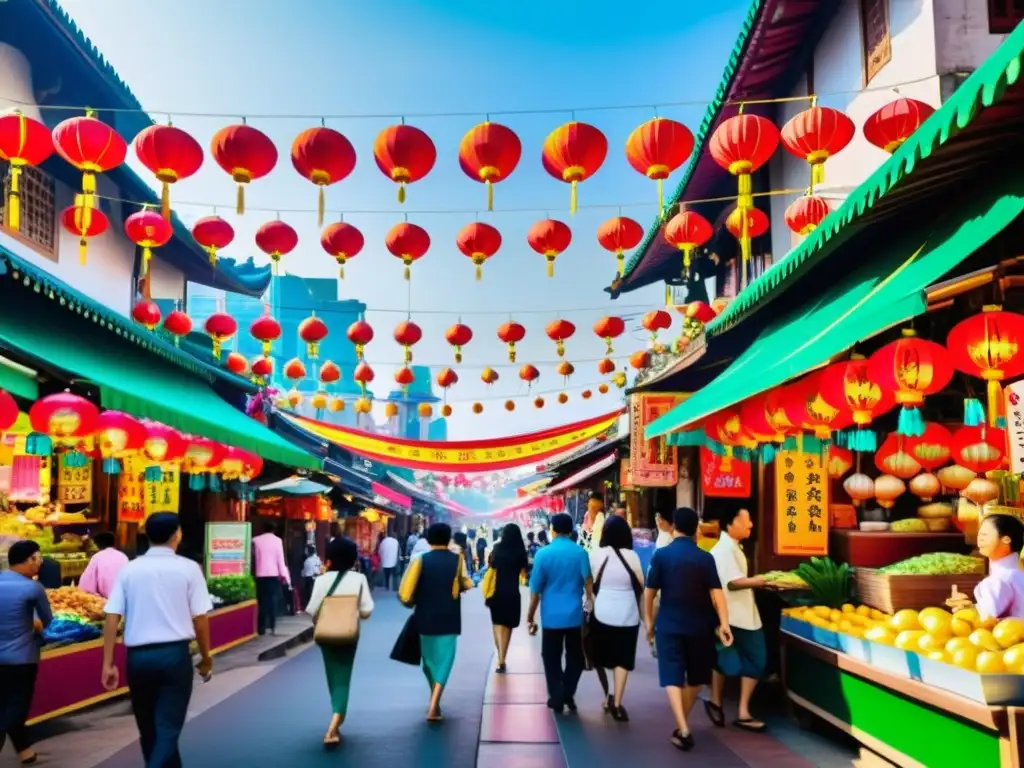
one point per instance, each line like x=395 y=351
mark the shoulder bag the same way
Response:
x=337 y=619
x=638 y=589
x=587 y=632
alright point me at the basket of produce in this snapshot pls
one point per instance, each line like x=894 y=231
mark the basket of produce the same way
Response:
x=72 y=600
x=919 y=582
x=69 y=628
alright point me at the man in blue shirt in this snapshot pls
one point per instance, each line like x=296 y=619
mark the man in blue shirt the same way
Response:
x=692 y=605
x=560 y=577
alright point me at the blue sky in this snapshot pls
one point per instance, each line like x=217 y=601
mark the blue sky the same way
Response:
x=404 y=58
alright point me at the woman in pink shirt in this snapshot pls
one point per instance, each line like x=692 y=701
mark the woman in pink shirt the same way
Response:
x=1001 y=594
x=101 y=572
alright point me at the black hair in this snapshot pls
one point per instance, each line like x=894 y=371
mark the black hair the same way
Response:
x=561 y=524
x=342 y=554
x=686 y=521
x=161 y=527
x=269 y=527
x=667 y=516
x=1006 y=525
x=439 y=535
x=616 y=533
x=459 y=538
x=512 y=541
x=336 y=528
x=310 y=550
x=729 y=515
x=574 y=536
x=596 y=496
x=529 y=536
x=103 y=540
x=21 y=552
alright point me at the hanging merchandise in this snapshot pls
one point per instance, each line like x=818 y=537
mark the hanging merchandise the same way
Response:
x=404 y=154
x=458 y=336
x=549 y=238
x=343 y=242
x=849 y=385
x=266 y=330
x=246 y=154
x=618 y=235
x=407 y=242
x=511 y=333
x=363 y=375
x=887 y=489
x=989 y=346
x=148 y=230
x=558 y=331
x=171 y=155
x=262 y=369
x=488 y=153
x=609 y=328
x=147 y=314
x=329 y=373
x=178 y=324
x=360 y=333
x=896 y=122
x=408 y=334
x=213 y=234
x=161 y=444
x=572 y=153
x=84 y=223
x=805 y=213
x=237 y=364
x=404 y=377
x=605 y=366
x=276 y=239
x=980 y=449
x=313 y=331
x=815 y=135
x=294 y=370
x=488 y=376
x=529 y=374
x=912 y=368
x=325 y=157
x=657 y=149
x=933 y=448
x=895 y=456
x=859 y=487
x=654 y=321
x=640 y=360
x=220 y=327
x=24 y=143
x=478 y=242
x=92 y=147
x=61 y=418
x=118 y=436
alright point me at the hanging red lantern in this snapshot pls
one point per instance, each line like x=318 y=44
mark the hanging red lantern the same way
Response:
x=618 y=235
x=85 y=223
x=479 y=242
x=239 y=464
x=220 y=327
x=178 y=324
x=656 y=320
x=63 y=416
x=932 y=449
x=849 y=385
x=148 y=230
x=92 y=147
x=201 y=455
x=840 y=461
x=329 y=372
x=312 y=331
x=213 y=234
x=24 y=142
x=266 y=330
x=488 y=376
x=806 y=409
x=263 y=368
x=558 y=331
x=404 y=154
x=529 y=374
x=162 y=443
x=146 y=314
x=757 y=223
x=912 y=368
x=688 y=231
x=458 y=336
x=816 y=134
x=657 y=149
x=641 y=359
x=404 y=377
x=980 y=449
x=511 y=333
x=757 y=415
x=325 y=157
x=171 y=155
x=408 y=334
x=605 y=366
x=549 y=238
x=609 y=328
x=360 y=333
x=488 y=153
x=805 y=214
x=117 y=435
x=895 y=457
x=896 y=122
x=343 y=242
x=246 y=153
x=237 y=364
x=989 y=346
x=572 y=153
x=446 y=378
x=276 y=239
x=407 y=242
x=294 y=370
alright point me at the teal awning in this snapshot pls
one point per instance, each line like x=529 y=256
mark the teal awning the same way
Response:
x=889 y=289
x=18 y=381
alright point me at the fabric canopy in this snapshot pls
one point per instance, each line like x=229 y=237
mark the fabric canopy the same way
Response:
x=887 y=290
x=587 y=472
x=294 y=486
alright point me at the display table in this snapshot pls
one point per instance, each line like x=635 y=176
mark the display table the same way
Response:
x=875 y=549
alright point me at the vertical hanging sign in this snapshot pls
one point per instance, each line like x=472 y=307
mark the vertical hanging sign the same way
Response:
x=652 y=463
x=130 y=485
x=801 y=504
x=1014 y=396
x=163 y=494
x=74 y=484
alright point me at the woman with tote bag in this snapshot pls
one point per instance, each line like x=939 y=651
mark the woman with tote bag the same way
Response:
x=340 y=600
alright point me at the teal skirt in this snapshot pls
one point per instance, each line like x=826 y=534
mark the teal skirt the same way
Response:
x=438 y=657
x=338 y=663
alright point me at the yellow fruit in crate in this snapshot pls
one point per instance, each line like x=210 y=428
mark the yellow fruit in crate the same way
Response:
x=822 y=611
x=1013 y=659
x=961 y=627
x=845 y=626
x=848 y=608
x=966 y=658
x=835 y=616
x=877 y=615
x=970 y=615
x=928 y=643
x=956 y=643
x=880 y=634
x=1009 y=632
x=938 y=656
x=990 y=663
x=864 y=610
x=832 y=627
x=935 y=621
x=983 y=640
x=905 y=620
x=908 y=639
x=856 y=632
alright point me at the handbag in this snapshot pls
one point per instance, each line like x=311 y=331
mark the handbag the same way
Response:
x=407 y=647
x=337 y=619
x=587 y=631
x=490 y=583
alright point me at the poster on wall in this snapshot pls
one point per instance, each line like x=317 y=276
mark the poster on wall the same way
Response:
x=801 y=504
x=164 y=494
x=1014 y=401
x=227 y=549
x=130 y=485
x=74 y=484
x=652 y=463
x=731 y=483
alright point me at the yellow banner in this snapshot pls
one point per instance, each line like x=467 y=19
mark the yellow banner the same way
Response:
x=801 y=504
x=74 y=484
x=163 y=495
x=130 y=504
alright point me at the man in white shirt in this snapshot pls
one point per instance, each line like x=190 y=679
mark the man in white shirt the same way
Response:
x=388 y=552
x=664 y=522
x=747 y=656
x=164 y=603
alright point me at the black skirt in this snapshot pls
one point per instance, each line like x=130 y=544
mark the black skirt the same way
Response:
x=506 y=609
x=612 y=647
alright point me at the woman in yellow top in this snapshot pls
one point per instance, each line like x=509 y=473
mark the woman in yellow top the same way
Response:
x=432 y=587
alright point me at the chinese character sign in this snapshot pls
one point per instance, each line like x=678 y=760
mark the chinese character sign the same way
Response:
x=714 y=481
x=130 y=486
x=801 y=504
x=162 y=495
x=74 y=484
x=1014 y=394
x=652 y=463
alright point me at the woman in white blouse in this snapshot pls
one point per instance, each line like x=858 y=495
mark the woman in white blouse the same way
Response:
x=615 y=623
x=339 y=579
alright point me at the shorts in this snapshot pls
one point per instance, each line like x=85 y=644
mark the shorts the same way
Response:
x=746 y=657
x=685 y=660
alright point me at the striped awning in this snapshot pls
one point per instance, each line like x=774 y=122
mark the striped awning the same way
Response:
x=585 y=473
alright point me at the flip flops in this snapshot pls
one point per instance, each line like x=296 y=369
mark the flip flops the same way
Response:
x=682 y=743
x=714 y=713
x=749 y=724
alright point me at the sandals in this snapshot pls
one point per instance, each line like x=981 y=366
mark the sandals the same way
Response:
x=332 y=742
x=714 y=713
x=682 y=743
x=750 y=725
x=609 y=705
x=30 y=760
x=502 y=669
x=619 y=714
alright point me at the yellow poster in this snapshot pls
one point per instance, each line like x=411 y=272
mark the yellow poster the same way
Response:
x=130 y=504
x=162 y=495
x=74 y=484
x=801 y=504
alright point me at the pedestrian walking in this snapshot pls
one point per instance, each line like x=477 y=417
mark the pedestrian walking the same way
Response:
x=339 y=580
x=433 y=588
x=507 y=562
x=163 y=600
x=614 y=624
x=24 y=613
x=747 y=657
x=311 y=568
x=388 y=551
x=684 y=626
x=460 y=545
x=560 y=579
x=101 y=572
x=663 y=521
x=542 y=538
x=271 y=575
x=420 y=546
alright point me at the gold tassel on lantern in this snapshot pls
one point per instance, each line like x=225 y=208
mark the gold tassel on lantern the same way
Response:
x=213 y=256
x=83 y=247
x=490 y=194
x=321 y=203
x=661 y=198
x=407 y=273
x=726 y=463
x=572 y=200
x=401 y=191
x=551 y=257
x=668 y=296
x=995 y=397
x=147 y=254
x=14 y=199
x=511 y=352
x=240 y=200
x=620 y=257
x=165 y=201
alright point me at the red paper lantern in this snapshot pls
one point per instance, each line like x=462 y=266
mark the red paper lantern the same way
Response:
x=932 y=449
x=815 y=135
x=117 y=435
x=325 y=157
x=213 y=233
x=990 y=346
x=609 y=328
x=263 y=367
x=458 y=336
x=162 y=443
x=549 y=238
x=488 y=376
x=408 y=242
x=618 y=235
x=238 y=464
x=63 y=416
x=294 y=370
x=92 y=147
x=566 y=369
x=201 y=455
x=657 y=149
x=573 y=153
x=895 y=457
x=700 y=312
x=404 y=376
x=806 y=409
x=146 y=314
x=805 y=214
x=980 y=449
x=447 y=378
x=688 y=231
x=246 y=153
x=656 y=320
x=23 y=142
x=148 y=230
x=757 y=223
x=896 y=122
x=558 y=331
x=329 y=372
x=849 y=385
x=220 y=327
x=840 y=461
x=605 y=366
x=266 y=330
x=640 y=359
x=276 y=239
x=408 y=334
x=178 y=324
x=488 y=153
x=237 y=364
x=313 y=331
x=404 y=154
x=360 y=333
x=343 y=242
x=529 y=374
x=756 y=416
x=479 y=242
x=511 y=333
x=912 y=368
x=171 y=155
x=85 y=223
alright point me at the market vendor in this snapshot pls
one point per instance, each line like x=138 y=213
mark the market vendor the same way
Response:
x=1001 y=593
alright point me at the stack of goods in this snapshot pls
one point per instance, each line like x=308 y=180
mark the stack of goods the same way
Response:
x=76 y=616
x=784 y=580
x=76 y=601
x=936 y=564
x=931 y=518
x=829 y=583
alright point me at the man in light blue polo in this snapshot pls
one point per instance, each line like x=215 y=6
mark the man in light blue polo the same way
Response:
x=560 y=579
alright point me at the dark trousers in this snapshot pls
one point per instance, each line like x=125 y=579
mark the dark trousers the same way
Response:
x=307 y=589
x=17 y=682
x=268 y=594
x=160 y=686
x=390 y=579
x=561 y=681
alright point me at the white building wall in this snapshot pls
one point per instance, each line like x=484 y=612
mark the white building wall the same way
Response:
x=962 y=39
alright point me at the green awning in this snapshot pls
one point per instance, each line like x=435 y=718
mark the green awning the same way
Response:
x=886 y=291
x=131 y=380
x=18 y=381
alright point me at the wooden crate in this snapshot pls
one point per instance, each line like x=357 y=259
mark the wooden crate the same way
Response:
x=893 y=592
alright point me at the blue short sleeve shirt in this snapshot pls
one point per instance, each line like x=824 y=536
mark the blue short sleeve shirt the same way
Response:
x=560 y=573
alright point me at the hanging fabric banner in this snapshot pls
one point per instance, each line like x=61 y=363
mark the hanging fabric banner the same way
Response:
x=733 y=483
x=164 y=494
x=801 y=504
x=74 y=484
x=130 y=486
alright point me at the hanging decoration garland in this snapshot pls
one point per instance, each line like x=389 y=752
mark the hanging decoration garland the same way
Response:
x=325 y=157
x=24 y=142
x=657 y=149
x=572 y=153
x=404 y=154
x=488 y=153
x=246 y=154
x=478 y=242
x=341 y=241
x=170 y=154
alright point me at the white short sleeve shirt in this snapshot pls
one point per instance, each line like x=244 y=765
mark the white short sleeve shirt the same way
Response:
x=351 y=583
x=732 y=565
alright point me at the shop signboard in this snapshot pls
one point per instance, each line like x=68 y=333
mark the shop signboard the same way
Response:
x=130 y=491
x=715 y=480
x=228 y=547
x=74 y=484
x=163 y=495
x=1014 y=395
x=625 y=477
x=652 y=463
x=801 y=504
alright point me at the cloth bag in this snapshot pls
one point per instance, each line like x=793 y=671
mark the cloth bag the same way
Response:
x=407 y=647
x=490 y=583
x=337 y=620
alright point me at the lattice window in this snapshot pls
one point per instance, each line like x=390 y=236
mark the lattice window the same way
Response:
x=874 y=22
x=1004 y=15
x=38 y=207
